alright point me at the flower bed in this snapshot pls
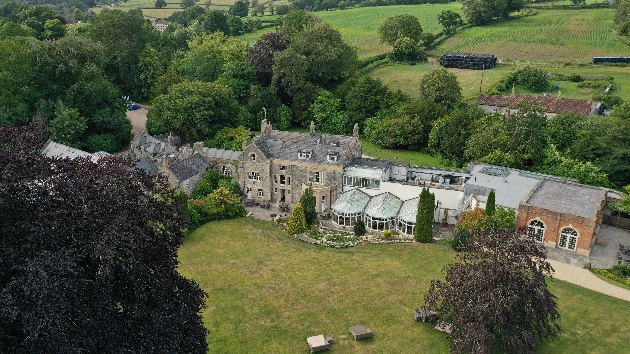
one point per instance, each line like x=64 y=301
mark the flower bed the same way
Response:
x=619 y=273
x=342 y=239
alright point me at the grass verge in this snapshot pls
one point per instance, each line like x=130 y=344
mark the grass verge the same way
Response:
x=268 y=292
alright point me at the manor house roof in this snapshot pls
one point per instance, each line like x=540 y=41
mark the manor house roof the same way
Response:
x=53 y=149
x=285 y=145
x=189 y=167
x=548 y=104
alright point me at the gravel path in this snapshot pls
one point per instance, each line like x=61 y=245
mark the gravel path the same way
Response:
x=138 y=119
x=586 y=279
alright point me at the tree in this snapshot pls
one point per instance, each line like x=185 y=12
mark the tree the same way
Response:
x=150 y=70
x=562 y=130
x=297 y=221
x=186 y=3
x=557 y=164
x=328 y=113
x=68 y=126
x=423 y=231
x=239 y=76
x=481 y=12
x=441 y=87
x=490 y=203
x=209 y=53
x=54 y=29
x=230 y=138
x=398 y=26
x=509 y=306
x=198 y=109
x=207 y=185
x=406 y=49
x=327 y=57
x=212 y=21
x=239 y=9
x=17 y=94
x=160 y=4
x=282 y=9
x=89 y=256
x=284 y=117
x=260 y=9
x=260 y=55
x=450 y=20
x=297 y=21
x=308 y=202
x=449 y=131
x=533 y=79
x=363 y=98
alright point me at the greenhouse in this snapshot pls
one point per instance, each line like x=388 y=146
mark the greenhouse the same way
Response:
x=381 y=212
x=349 y=207
x=407 y=216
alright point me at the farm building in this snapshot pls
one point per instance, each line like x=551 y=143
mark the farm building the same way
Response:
x=550 y=105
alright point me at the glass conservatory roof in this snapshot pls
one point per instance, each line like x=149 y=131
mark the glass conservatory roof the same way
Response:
x=350 y=202
x=384 y=205
x=409 y=210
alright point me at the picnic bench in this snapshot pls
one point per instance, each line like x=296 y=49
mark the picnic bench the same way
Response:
x=360 y=332
x=318 y=343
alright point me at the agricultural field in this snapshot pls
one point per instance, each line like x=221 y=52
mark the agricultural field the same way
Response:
x=549 y=35
x=407 y=78
x=268 y=291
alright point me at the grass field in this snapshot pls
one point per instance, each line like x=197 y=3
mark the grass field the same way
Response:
x=406 y=78
x=267 y=292
x=415 y=158
x=550 y=35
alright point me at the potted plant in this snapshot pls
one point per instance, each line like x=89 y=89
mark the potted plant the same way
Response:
x=445 y=218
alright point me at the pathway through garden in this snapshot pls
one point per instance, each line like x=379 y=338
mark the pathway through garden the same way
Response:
x=586 y=279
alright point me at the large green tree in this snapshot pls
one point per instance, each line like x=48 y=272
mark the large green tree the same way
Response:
x=260 y=55
x=68 y=126
x=509 y=308
x=423 y=231
x=17 y=94
x=297 y=21
x=328 y=114
x=450 y=20
x=450 y=132
x=209 y=53
x=481 y=12
x=239 y=9
x=308 y=202
x=442 y=87
x=399 y=26
x=89 y=257
x=199 y=109
x=363 y=98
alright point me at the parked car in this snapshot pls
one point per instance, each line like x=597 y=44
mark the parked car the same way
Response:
x=132 y=107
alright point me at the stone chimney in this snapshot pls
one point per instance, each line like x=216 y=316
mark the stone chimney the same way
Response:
x=198 y=147
x=312 y=131
x=355 y=130
x=265 y=127
x=169 y=140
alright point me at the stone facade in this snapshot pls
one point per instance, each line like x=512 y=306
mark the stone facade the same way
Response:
x=278 y=166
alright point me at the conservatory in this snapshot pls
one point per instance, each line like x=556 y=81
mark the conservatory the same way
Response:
x=407 y=216
x=381 y=211
x=348 y=208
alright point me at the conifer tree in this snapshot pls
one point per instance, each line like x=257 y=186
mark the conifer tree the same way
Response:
x=424 y=218
x=491 y=204
x=308 y=202
x=297 y=221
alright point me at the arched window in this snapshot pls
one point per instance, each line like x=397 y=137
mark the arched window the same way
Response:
x=536 y=230
x=568 y=239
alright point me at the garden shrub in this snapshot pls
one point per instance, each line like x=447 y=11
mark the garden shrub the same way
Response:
x=297 y=221
x=575 y=78
x=387 y=234
x=359 y=228
x=460 y=239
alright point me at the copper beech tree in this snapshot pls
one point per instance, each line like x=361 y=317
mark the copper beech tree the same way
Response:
x=496 y=297
x=88 y=257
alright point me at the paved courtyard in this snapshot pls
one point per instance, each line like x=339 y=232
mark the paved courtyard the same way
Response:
x=604 y=252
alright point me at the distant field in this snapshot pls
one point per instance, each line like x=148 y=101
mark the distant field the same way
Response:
x=550 y=35
x=406 y=78
x=268 y=292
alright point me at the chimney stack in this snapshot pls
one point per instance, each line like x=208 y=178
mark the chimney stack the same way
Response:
x=312 y=131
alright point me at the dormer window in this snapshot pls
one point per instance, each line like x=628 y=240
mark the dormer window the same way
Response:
x=333 y=156
x=252 y=157
x=304 y=154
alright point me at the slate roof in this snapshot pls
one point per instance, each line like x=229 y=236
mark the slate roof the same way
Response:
x=285 y=145
x=385 y=205
x=147 y=166
x=222 y=154
x=53 y=149
x=189 y=167
x=409 y=210
x=351 y=202
x=549 y=104
x=152 y=145
x=567 y=197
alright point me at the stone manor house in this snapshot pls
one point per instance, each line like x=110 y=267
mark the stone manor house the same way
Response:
x=277 y=166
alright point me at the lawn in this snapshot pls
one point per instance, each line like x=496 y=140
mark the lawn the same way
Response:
x=407 y=78
x=267 y=292
x=415 y=158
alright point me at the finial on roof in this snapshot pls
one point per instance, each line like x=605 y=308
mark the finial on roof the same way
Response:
x=312 y=131
x=355 y=130
x=559 y=94
x=513 y=90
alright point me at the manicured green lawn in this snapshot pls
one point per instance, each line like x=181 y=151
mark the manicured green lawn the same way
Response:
x=267 y=292
x=415 y=158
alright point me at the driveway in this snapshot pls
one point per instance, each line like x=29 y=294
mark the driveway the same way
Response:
x=138 y=119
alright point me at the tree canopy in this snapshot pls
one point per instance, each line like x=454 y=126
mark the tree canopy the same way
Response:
x=441 y=87
x=400 y=26
x=89 y=257
x=496 y=295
